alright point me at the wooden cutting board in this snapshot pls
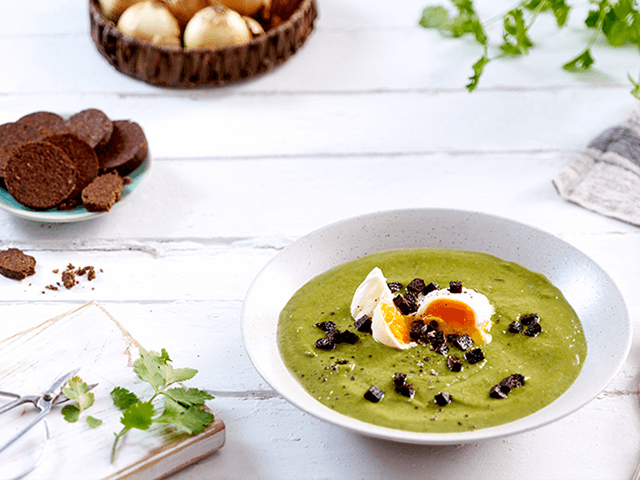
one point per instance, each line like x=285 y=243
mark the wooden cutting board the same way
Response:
x=91 y=339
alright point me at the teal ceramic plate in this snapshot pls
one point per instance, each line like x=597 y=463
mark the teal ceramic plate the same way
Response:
x=139 y=178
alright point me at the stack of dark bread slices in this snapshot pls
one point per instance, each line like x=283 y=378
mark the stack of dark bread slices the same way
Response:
x=47 y=161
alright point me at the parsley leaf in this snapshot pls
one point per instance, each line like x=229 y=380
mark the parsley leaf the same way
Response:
x=71 y=413
x=123 y=398
x=466 y=21
x=93 y=422
x=188 y=397
x=148 y=367
x=635 y=91
x=617 y=20
x=516 y=40
x=183 y=407
x=78 y=392
x=139 y=415
x=192 y=419
x=478 y=69
x=581 y=62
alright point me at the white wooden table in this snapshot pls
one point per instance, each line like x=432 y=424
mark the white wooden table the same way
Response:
x=370 y=115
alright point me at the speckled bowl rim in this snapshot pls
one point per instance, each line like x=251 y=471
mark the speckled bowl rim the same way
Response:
x=167 y=66
x=588 y=288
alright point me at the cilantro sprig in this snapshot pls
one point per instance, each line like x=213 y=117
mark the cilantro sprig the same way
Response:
x=618 y=21
x=78 y=392
x=183 y=408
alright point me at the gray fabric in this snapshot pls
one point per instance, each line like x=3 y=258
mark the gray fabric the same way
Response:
x=621 y=140
x=605 y=177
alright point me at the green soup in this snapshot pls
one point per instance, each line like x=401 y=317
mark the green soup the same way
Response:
x=339 y=378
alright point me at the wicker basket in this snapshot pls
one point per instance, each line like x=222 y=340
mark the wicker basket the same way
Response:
x=176 y=67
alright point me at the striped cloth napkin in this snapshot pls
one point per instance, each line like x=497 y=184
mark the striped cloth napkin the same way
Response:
x=605 y=177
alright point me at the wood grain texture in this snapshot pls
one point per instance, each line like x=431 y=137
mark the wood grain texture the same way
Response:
x=371 y=114
x=90 y=339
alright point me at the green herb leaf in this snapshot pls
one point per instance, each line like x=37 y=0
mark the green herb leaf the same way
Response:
x=93 y=422
x=466 y=21
x=560 y=11
x=515 y=38
x=123 y=398
x=139 y=415
x=77 y=390
x=437 y=18
x=148 y=367
x=188 y=397
x=71 y=413
x=581 y=62
x=182 y=407
x=635 y=91
x=179 y=374
x=192 y=420
x=618 y=21
x=478 y=69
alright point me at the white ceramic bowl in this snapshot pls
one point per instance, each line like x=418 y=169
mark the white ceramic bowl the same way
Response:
x=589 y=290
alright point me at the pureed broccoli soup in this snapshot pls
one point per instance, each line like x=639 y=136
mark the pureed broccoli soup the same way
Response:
x=435 y=374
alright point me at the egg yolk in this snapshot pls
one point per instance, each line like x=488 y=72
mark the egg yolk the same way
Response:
x=398 y=323
x=454 y=316
x=453 y=312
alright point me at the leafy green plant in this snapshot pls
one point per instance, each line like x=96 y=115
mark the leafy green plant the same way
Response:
x=618 y=21
x=78 y=392
x=183 y=408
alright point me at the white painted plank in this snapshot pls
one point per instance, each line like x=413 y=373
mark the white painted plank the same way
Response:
x=90 y=340
x=40 y=17
x=334 y=61
x=214 y=126
x=272 y=202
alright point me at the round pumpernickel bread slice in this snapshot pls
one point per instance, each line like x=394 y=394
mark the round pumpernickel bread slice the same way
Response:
x=12 y=135
x=16 y=264
x=93 y=126
x=126 y=150
x=101 y=194
x=82 y=156
x=45 y=123
x=39 y=175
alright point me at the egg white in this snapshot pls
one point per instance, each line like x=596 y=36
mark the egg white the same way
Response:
x=368 y=295
x=368 y=299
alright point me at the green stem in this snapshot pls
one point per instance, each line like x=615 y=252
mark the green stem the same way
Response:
x=501 y=15
x=536 y=12
x=115 y=442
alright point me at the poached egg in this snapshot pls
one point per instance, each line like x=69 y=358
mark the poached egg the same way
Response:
x=468 y=312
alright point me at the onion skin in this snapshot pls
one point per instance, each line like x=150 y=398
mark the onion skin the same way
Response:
x=216 y=26
x=284 y=8
x=248 y=8
x=148 y=19
x=254 y=26
x=166 y=41
x=184 y=10
x=112 y=9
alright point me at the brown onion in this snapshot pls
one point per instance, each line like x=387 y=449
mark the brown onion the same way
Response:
x=112 y=9
x=216 y=26
x=249 y=8
x=184 y=10
x=148 y=19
